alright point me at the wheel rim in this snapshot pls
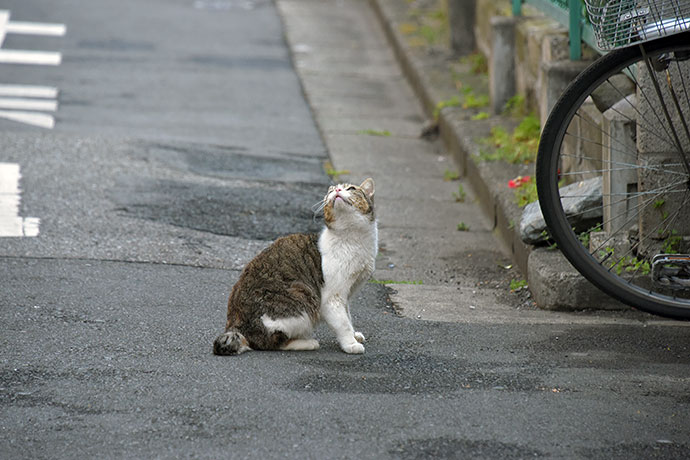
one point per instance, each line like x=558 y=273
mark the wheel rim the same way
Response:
x=620 y=139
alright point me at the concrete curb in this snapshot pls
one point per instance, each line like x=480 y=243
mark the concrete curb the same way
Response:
x=551 y=279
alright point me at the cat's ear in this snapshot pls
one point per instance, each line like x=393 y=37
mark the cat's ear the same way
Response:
x=368 y=187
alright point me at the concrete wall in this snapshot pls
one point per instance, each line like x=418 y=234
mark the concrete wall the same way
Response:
x=540 y=43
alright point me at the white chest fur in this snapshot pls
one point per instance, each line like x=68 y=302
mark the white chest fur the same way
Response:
x=347 y=258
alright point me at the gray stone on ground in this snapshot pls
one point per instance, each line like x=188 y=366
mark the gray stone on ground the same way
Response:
x=582 y=203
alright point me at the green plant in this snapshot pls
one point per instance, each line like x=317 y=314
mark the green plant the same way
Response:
x=672 y=243
x=606 y=253
x=475 y=101
x=516 y=106
x=526 y=194
x=641 y=265
x=629 y=264
x=659 y=205
x=449 y=175
x=480 y=116
x=460 y=195
x=528 y=130
x=477 y=62
x=429 y=33
x=438 y=14
x=375 y=281
x=520 y=146
x=375 y=132
x=452 y=102
x=427 y=26
x=408 y=28
x=585 y=237
x=332 y=172
x=517 y=285
x=463 y=227
x=632 y=265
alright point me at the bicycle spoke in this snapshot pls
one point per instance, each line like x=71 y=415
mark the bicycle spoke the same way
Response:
x=623 y=200
x=682 y=83
x=638 y=112
x=650 y=105
x=657 y=88
x=598 y=143
x=683 y=122
x=630 y=165
x=652 y=132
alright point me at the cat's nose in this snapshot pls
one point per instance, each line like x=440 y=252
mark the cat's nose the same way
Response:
x=338 y=189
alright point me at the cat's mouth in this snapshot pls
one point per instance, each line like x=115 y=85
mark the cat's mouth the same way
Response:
x=341 y=198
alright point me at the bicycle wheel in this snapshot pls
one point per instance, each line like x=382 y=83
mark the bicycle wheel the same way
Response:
x=613 y=176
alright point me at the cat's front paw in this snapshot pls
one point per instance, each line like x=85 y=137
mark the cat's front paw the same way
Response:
x=353 y=348
x=360 y=337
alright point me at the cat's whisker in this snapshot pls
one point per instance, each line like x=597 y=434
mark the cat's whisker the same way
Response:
x=318 y=207
x=317 y=212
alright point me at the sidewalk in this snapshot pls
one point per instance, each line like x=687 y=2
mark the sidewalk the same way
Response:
x=371 y=121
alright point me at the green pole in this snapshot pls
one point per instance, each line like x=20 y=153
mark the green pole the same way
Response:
x=575 y=29
x=517 y=7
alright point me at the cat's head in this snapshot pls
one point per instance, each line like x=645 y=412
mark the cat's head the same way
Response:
x=346 y=205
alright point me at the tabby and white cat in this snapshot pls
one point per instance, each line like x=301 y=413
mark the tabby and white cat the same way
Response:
x=301 y=279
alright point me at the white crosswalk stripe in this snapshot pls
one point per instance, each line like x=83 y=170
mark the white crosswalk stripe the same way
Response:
x=46 y=105
x=41 y=120
x=10 y=197
x=30 y=57
x=36 y=28
x=17 y=102
x=48 y=92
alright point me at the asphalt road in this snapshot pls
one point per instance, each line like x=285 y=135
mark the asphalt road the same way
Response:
x=182 y=146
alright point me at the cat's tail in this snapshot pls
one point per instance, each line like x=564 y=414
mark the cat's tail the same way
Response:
x=231 y=342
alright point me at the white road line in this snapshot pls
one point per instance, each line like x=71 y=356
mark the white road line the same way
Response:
x=31 y=226
x=36 y=28
x=4 y=19
x=9 y=179
x=28 y=28
x=47 y=92
x=15 y=97
x=30 y=57
x=42 y=120
x=28 y=104
x=10 y=222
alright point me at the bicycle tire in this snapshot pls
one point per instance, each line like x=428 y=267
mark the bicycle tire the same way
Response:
x=568 y=142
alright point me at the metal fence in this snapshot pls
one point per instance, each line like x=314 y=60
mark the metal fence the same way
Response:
x=570 y=13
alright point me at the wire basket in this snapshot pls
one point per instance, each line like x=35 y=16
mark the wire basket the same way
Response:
x=620 y=23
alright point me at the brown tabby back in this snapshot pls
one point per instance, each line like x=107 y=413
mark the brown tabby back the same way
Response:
x=284 y=280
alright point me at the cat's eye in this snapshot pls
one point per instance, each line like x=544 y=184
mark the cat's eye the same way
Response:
x=351 y=188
